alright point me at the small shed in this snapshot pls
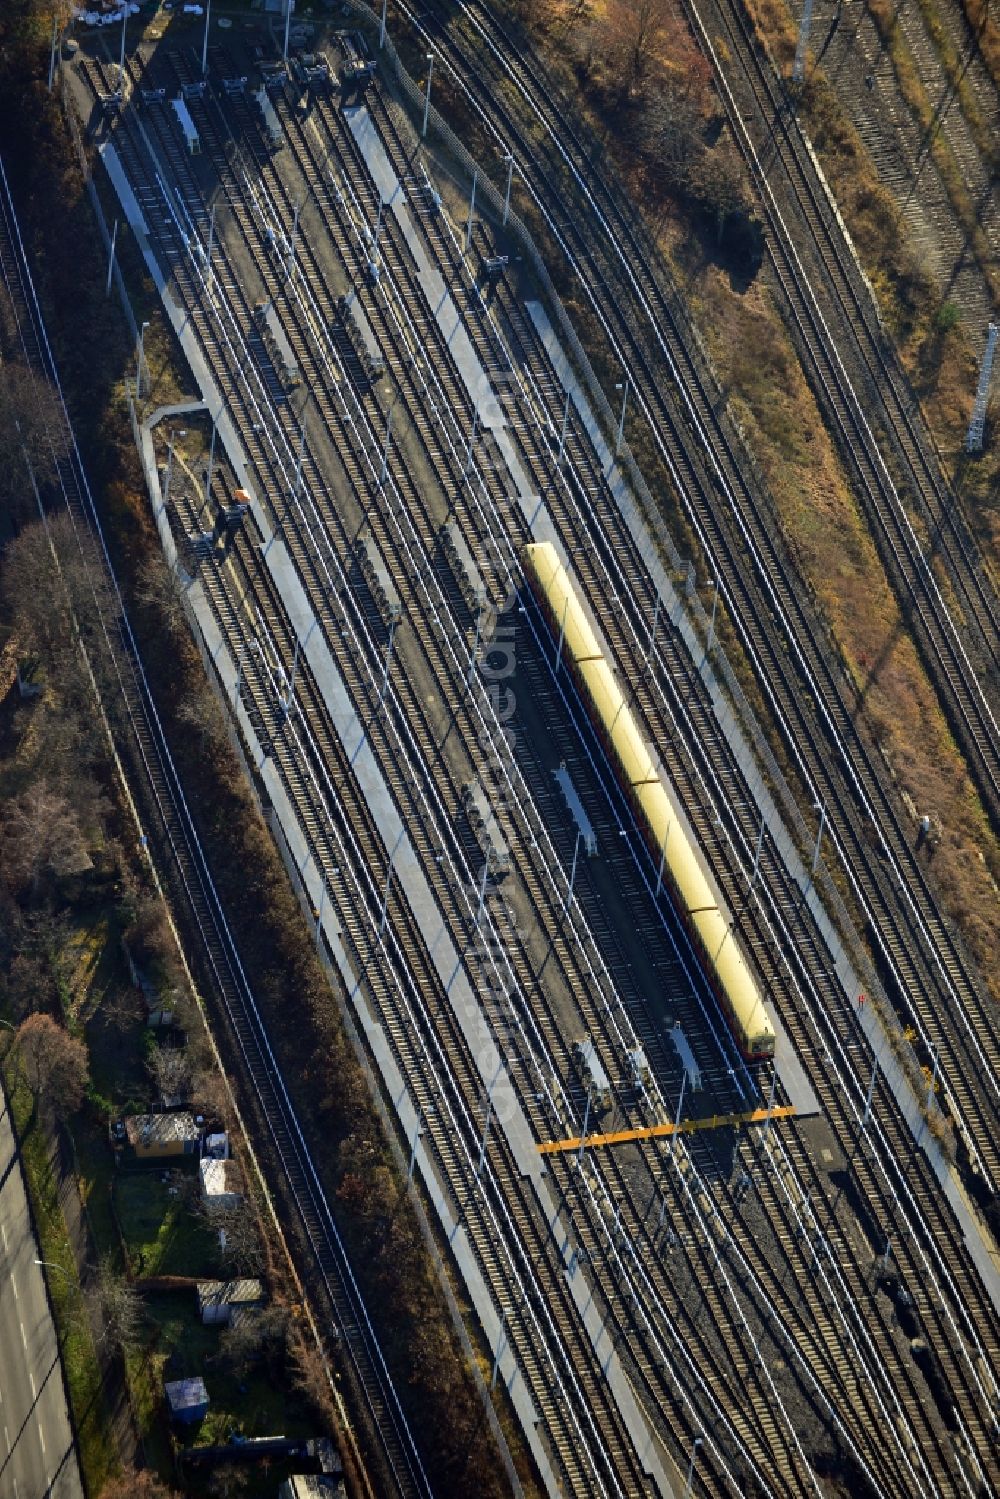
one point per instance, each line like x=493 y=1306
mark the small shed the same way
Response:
x=155 y=1136
x=187 y=1399
x=220 y=1301
x=217 y=1146
x=221 y=1185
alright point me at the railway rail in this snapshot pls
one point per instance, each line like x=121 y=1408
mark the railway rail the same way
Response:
x=190 y=878
x=930 y=973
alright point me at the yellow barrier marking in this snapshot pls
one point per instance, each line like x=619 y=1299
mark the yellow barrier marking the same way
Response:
x=655 y=1131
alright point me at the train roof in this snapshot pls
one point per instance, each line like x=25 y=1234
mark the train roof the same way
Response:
x=611 y=711
x=696 y=898
x=579 y=641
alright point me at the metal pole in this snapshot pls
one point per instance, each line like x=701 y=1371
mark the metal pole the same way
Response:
x=680 y=1105
x=290 y=6
x=486 y=1130
x=690 y=1473
x=111 y=258
x=322 y=903
x=52 y=54
x=139 y=361
x=501 y=1344
x=934 y=1073
x=300 y=459
x=663 y=859
x=756 y=857
x=420 y=1114
x=510 y=177
x=381 y=33
x=562 y=633
x=291 y=249
x=475 y=644
x=170 y=469
x=656 y=621
x=623 y=387
x=385 y=445
x=295 y=668
x=572 y=872
x=711 y=623
x=211 y=247
x=562 y=435
x=472 y=210
x=821 y=807
x=211 y=461
x=770 y=1102
x=482 y=891
x=204 y=45
x=385 y=897
x=388 y=659
x=427 y=96
x=121 y=64
x=583 y=1136
x=888 y=1253
x=472 y=440
x=871 y=1091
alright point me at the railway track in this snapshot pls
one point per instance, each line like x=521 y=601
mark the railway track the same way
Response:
x=581 y=545
x=293 y=433
x=931 y=975
x=190 y=879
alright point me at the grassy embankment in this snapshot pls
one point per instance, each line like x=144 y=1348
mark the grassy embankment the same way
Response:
x=939 y=359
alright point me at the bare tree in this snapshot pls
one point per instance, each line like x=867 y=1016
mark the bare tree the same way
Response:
x=633 y=30
x=311 y=1374
x=257 y=1337
x=55 y=1063
x=116 y=1305
x=39 y=834
x=137 y=1483
x=28 y=985
x=243 y=1253
x=170 y=1069
x=160 y=590
x=209 y=1092
x=32 y=430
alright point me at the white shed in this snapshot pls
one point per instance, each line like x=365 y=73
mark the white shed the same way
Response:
x=221 y=1184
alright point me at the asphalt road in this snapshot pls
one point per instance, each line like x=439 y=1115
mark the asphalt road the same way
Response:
x=37 y=1456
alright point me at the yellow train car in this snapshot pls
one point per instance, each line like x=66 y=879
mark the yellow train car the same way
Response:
x=653 y=803
x=555 y=593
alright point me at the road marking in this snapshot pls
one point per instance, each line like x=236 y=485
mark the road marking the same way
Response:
x=24 y=1341
x=31 y=1381
x=13 y=1286
x=6 y=1437
x=41 y=1438
x=4 y=1232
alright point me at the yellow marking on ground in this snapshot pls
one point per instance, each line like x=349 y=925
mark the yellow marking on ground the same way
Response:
x=655 y=1131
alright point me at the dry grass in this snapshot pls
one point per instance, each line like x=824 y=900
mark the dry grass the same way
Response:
x=986 y=29
x=830 y=542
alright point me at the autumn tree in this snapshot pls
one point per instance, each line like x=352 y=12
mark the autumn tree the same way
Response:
x=137 y=1483
x=39 y=834
x=633 y=31
x=55 y=1063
